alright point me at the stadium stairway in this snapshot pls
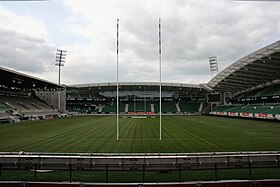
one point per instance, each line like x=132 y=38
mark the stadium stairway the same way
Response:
x=152 y=107
x=126 y=108
x=200 y=107
x=178 y=107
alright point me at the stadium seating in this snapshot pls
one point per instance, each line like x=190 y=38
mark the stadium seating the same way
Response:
x=4 y=116
x=270 y=91
x=224 y=108
x=25 y=107
x=73 y=96
x=77 y=110
x=3 y=107
x=112 y=107
x=261 y=92
x=274 y=109
x=15 y=109
x=253 y=108
x=139 y=107
x=137 y=97
x=259 y=103
x=205 y=105
x=167 y=107
x=251 y=94
x=23 y=104
x=189 y=106
x=83 y=108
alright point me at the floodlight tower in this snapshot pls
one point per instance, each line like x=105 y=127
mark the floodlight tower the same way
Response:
x=213 y=64
x=60 y=60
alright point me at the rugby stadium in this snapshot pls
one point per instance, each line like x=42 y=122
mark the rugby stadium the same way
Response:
x=221 y=133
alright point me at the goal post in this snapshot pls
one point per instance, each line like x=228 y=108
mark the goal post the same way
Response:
x=160 y=83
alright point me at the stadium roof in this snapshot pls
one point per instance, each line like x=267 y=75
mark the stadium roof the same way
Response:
x=141 y=85
x=13 y=79
x=255 y=70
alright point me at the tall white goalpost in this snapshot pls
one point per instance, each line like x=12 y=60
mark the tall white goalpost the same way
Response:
x=160 y=112
x=159 y=51
x=117 y=79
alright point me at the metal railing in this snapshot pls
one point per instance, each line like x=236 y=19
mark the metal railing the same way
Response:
x=139 y=162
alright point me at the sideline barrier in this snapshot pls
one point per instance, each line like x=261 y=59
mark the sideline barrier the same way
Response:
x=231 y=183
x=136 y=162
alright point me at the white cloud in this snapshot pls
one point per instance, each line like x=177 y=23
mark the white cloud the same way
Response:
x=192 y=30
x=30 y=26
x=24 y=45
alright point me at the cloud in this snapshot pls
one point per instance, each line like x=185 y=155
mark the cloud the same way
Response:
x=24 y=45
x=26 y=25
x=24 y=53
x=191 y=32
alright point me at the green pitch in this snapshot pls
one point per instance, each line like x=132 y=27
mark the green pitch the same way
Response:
x=179 y=134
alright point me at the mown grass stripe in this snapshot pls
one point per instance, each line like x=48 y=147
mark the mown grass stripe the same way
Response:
x=180 y=134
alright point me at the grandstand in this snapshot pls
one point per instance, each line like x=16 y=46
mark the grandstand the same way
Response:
x=22 y=97
x=250 y=87
x=141 y=98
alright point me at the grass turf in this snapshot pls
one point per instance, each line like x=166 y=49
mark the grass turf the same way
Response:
x=179 y=134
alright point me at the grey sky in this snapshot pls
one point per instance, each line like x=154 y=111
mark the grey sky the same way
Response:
x=192 y=30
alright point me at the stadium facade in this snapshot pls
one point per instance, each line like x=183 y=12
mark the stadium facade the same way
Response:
x=249 y=87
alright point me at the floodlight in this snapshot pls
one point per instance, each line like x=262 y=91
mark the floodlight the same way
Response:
x=213 y=64
x=60 y=59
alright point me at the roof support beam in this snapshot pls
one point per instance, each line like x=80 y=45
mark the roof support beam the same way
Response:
x=251 y=74
x=236 y=85
x=271 y=68
x=263 y=73
x=266 y=65
x=240 y=78
x=238 y=81
x=226 y=88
